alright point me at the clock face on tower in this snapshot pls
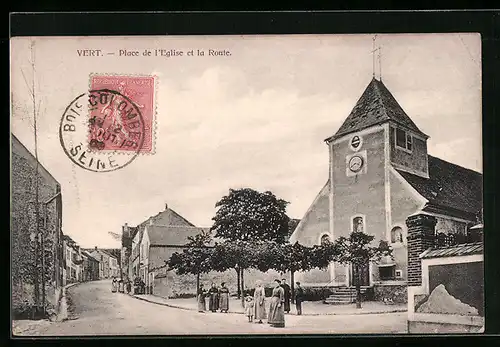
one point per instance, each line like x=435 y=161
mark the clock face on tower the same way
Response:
x=356 y=163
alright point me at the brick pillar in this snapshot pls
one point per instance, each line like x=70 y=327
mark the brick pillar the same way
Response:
x=421 y=228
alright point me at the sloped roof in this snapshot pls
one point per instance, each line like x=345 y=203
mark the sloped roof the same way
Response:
x=88 y=255
x=168 y=214
x=377 y=105
x=449 y=186
x=454 y=251
x=162 y=235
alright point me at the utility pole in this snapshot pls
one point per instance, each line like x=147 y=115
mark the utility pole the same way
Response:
x=36 y=275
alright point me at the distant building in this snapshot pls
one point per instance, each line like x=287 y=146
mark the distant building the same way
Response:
x=114 y=260
x=132 y=236
x=147 y=246
x=158 y=243
x=90 y=267
x=108 y=262
x=24 y=232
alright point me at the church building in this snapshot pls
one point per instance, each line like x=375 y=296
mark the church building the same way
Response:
x=379 y=174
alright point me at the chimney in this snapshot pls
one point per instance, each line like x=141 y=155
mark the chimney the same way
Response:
x=166 y=206
x=95 y=248
x=125 y=230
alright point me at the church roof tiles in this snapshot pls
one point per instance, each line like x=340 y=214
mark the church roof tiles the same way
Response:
x=449 y=187
x=375 y=106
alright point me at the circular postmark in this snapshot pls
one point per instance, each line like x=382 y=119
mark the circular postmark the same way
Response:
x=102 y=130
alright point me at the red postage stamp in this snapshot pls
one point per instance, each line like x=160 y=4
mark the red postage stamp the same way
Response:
x=110 y=126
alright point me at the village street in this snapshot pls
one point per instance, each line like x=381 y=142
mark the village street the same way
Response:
x=97 y=311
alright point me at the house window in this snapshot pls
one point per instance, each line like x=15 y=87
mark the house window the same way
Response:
x=358 y=224
x=404 y=140
x=397 y=235
x=387 y=272
x=325 y=239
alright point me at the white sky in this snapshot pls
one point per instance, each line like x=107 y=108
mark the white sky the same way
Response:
x=255 y=119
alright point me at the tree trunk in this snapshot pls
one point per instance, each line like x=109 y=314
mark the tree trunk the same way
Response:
x=242 y=288
x=292 y=284
x=238 y=282
x=197 y=283
x=358 y=286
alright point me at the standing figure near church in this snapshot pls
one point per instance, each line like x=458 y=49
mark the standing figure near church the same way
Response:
x=259 y=307
x=299 y=297
x=287 y=295
x=213 y=298
x=223 y=298
x=276 y=313
x=202 y=306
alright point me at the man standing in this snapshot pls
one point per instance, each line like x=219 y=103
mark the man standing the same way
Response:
x=299 y=297
x=287 y=295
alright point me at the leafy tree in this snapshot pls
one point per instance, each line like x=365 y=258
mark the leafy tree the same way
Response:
x=356 y=251
x=290 y=258
x=243 y=218
x=196 y=259
x=247 y=215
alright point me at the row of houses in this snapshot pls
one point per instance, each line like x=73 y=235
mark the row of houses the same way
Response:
x=43 y=258
x=82 y=265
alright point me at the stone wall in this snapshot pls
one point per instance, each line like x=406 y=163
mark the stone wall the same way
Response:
x=174 y=285
x=398 y=293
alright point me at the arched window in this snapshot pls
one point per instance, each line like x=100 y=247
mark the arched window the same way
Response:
x=397 y=235
x=325 y=239
x=358 y=224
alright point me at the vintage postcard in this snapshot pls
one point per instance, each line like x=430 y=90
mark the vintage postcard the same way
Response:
x=266 y=184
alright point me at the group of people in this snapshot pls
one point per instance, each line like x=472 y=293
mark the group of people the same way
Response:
x=218 y=298
x=255 y=306
x=121 y=285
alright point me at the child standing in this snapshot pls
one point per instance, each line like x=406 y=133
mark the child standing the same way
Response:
x=249 y=307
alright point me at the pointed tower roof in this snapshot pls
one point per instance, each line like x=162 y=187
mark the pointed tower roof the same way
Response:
x=377 y=105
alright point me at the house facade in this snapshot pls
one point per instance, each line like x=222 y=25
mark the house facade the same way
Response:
x=136 y=242
x=379 y=174
x=104 y=262
x=108 y=261
x=74 y=261
x=132 y=237
x=24 y=233
x=90 y=267
x=158 y=244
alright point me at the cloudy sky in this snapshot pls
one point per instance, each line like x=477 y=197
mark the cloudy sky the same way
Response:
x=254 y=119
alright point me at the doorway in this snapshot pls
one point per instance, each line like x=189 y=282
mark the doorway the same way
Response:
x=364 y=275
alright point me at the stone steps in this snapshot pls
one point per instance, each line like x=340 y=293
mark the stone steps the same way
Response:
x=345 y=295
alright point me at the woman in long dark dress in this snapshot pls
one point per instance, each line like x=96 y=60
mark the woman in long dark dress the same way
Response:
x=223 y=298
x=276 y=316
x=201 y=299
x=213 y=298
